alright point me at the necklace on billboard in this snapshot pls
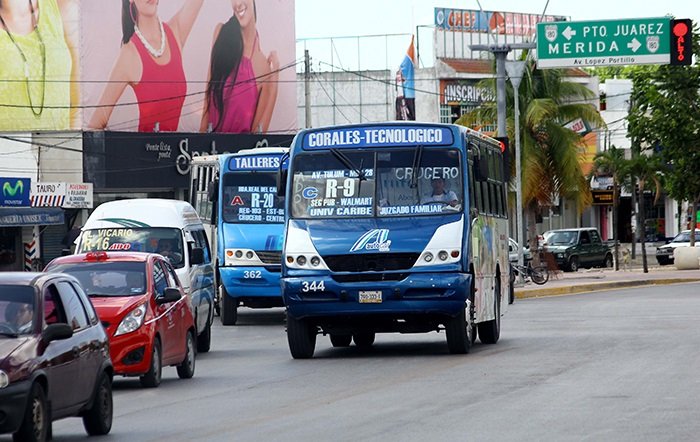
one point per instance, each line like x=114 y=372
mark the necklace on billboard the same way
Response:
x=42 y=50
x=156 y=53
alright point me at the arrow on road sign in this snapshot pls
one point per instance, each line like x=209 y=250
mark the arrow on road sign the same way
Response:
x=634 y=45
x=568 y=33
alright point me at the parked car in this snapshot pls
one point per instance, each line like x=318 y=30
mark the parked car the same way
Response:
x=513 y=252
x=54 y=357
x=143 y=307
x=575 y=248
x=664 y=254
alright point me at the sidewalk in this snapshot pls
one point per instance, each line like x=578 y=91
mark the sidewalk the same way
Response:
x=588 y=280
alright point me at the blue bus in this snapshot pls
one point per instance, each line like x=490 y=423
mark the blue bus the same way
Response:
x=236 y=197
x=394 y=227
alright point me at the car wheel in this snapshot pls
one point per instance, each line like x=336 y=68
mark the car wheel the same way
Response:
x=490 y=331
x=152 y=378
x=98 y=419
x=364 y=339
x=36 y=422
x=204 y=339
x=459 y=333
x=573 y=264
x=229 y=308
x=186 y=369
x=663 y=261
x=341 y=340
x=301 y=336
x=608 y=262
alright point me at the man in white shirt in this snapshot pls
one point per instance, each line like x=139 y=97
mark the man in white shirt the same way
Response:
x=440 y=194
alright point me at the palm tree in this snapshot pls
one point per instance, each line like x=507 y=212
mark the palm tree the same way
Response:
x=612 y=162
x=550 y=152
x=646 y=170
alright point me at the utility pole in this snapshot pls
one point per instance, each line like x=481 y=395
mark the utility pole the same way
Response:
x=515 y=72
x=307 y=90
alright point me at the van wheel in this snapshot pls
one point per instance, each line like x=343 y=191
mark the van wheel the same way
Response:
x=301 y=336
x=204 y=339
x=186 y=368
x=98 y=419
x=229 y=308
x=152 y=378
x=36 y=422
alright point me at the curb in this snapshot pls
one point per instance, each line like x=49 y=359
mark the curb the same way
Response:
x=599 y=286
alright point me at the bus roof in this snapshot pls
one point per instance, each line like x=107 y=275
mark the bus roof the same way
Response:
x=143 y=212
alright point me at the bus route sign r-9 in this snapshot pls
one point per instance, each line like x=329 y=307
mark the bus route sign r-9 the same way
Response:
x=604 y=43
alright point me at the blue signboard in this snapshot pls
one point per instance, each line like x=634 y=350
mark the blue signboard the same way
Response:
x=31 y=217
x=14 y=192
x=255 y=162
x=378 y=136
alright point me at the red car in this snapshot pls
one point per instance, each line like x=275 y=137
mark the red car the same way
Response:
x=142 y=306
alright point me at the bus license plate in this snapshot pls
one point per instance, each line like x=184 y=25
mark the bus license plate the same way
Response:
x=370 y=296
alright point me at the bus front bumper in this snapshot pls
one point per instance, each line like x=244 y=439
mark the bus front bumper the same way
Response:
x=416 y=294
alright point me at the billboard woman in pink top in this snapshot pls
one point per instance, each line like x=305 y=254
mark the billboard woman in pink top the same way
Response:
x=150 y=61
x=242 y=87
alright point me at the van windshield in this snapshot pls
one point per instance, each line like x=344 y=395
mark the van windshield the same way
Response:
x=164 y=240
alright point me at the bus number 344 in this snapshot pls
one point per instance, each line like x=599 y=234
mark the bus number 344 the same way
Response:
x=313 y=286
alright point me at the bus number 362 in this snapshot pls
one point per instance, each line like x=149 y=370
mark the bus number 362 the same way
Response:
x=252 y=274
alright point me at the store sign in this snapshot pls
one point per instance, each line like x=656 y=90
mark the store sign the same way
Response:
x=464 y=92
x=30 y=216
x=48 y=194
x=14 y=192
x=78 y=196
x=602 y=197
x=579 y=126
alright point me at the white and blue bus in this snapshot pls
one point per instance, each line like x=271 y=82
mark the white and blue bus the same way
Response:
x=394 y=227
x=236 y=197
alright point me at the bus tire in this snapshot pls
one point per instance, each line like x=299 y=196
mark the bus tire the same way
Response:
x=341 y=340
x=490 y=331
x=229 y=308
x=364 y=339
x=459 y=334
x=301 y=336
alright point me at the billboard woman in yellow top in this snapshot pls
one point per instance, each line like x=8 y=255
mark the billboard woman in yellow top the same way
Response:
x=35 y=91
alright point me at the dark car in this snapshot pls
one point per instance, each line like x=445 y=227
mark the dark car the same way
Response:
x=576 y=248
x=54 y=357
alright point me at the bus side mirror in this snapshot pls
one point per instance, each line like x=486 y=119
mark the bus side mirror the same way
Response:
x=282 y=181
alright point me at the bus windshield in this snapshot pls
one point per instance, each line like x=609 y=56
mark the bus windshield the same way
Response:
x=251 y=197
x=401 y=182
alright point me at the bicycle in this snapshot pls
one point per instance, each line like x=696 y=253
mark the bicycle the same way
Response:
x=538 y=274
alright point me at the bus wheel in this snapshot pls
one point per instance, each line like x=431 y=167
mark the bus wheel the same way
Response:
x=301 y=337
x=229 y=308
x=341 y=340
x=490 y=331
x=459 y=333
x=364 y=339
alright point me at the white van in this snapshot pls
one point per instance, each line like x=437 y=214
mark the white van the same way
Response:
x=169 y=227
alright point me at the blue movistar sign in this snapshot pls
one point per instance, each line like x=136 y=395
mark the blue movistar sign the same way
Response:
x=378 y=136
x=14 y=192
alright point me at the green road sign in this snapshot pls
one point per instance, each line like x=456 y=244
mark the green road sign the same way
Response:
x=604 y=42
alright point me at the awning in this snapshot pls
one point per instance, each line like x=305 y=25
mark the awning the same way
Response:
x=30 y=216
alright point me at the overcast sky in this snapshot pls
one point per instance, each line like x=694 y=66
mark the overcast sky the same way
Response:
x=326 y=18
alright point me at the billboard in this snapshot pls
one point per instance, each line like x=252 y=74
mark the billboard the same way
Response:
x=142 y=65
x=508 y=23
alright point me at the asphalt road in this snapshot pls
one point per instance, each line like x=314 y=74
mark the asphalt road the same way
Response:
x=615 y=365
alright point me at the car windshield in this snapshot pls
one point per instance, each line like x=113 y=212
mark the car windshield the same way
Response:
x=251 y=197
x=16 y=310
x=389 y=183
x=685 y=237
x=164 y=240
x=561 y=238
x=115 y=278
